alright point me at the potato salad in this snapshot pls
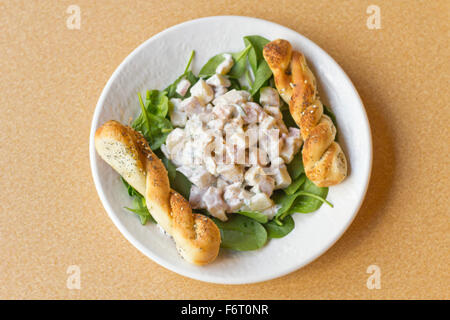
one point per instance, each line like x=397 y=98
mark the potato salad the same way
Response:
x=233 y=150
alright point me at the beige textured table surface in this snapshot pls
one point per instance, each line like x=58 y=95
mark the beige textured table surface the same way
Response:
x=50 y=214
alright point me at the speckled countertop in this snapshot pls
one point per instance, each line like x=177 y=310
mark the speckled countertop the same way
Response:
x=51 y=217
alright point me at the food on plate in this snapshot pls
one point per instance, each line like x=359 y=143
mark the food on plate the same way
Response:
x=126 y=150
x=224 y=144
x=324 y=161
x=242 y=173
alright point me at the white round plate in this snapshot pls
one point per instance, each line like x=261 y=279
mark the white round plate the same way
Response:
x=157 y=63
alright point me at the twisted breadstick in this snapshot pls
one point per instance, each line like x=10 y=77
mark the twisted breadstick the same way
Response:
x=197 y=237
x=325 y=163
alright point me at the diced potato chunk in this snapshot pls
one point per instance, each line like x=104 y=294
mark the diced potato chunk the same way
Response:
x=269 y=97
x=214 y=203
x=282 y=177
x=292 y=144
x=202 y=91
x=225 y=66
x=260 y=202
x=231 y=172
x=196 y=197
x=218 y=80
x=232 y=97
x=192 y=105
x=183 y=87
x=232 y=197
x=175 y=137
x=198 y=176
x=259 y=180
x=177 y=116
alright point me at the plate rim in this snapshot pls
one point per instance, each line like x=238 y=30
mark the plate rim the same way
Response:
x=174 y=268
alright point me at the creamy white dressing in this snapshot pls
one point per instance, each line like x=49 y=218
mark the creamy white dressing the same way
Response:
x=232 y=149
x=225 y=66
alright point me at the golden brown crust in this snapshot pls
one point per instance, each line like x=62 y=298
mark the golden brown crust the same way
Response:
x=126 y=150
x=278 y=56
x=197 y=237
x=328 y=170
x=325 y=163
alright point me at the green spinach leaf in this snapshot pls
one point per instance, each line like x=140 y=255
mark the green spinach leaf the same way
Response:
x=275 y=230
x=192 y=77
x=151 y=123
x=307 y=203
x=287 y=117
x=238 y=69
x=262 y=74
x=307 y=198
x=235 y=84
x=284 y=200
x=255 y=56
x=131 y=191
x=240 y=63
x=295 y=185
x=295 y=167
x=261 y=218
x=157 y=103
x=249 y=79
x=181 y=184
x=140 y=207
x=171 y=90
x=177 y=180
x=170 y=167
x=241 y=233
x=210 y=67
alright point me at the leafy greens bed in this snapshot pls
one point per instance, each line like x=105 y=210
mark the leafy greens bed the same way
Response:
x=243 y=230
